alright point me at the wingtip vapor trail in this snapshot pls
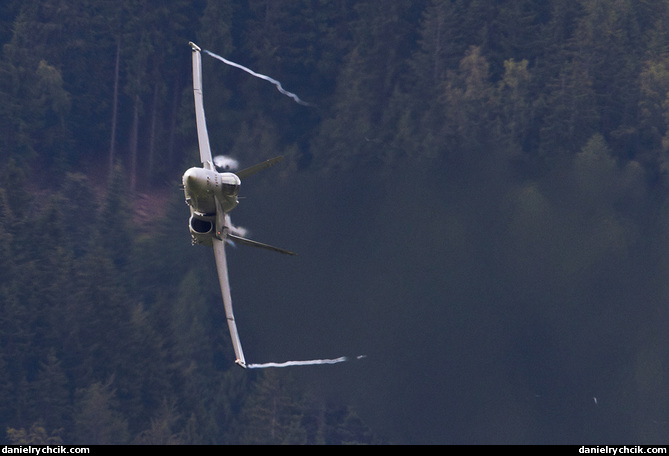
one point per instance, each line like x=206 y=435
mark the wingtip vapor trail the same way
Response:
x=278 y=85
x=311 y=362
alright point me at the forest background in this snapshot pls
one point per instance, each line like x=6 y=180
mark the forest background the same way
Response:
x=478 y=196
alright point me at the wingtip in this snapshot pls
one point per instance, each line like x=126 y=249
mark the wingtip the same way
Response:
x=194 y=46
x=240 y=363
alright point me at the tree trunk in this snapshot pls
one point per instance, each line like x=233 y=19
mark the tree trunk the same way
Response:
x=152 y=136
x=112 y=145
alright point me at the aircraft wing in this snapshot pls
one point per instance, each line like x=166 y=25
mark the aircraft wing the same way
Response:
x=251 y=243
x=202 y=135
x=222 y=267
x=243 y=174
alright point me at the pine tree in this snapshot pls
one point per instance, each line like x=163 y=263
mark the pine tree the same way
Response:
x=143 y=379
x=652 y=123
x=8 y=12
x=36 y=435
x=384 y=38
x=607 y=40
x=470 y=107
x=38 y=101
x=98 y=320
x=162 y=429
x=113 y=233
x=7 y=265
x=271 y=414
x=51 y=394
x=96 y=418
x=442 y=43
x=516 y=106
x=6 y=390
x=81 y=207
x=571 y=113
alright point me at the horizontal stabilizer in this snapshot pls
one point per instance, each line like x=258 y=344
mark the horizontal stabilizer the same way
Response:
x=243 y=174
x=251 y=243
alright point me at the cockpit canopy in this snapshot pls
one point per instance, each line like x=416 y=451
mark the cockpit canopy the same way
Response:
x=230 y=184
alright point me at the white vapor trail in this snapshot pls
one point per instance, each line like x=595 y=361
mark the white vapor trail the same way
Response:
x=261 y=76
x=238 y=230
x=301 y=363
x=226 y=163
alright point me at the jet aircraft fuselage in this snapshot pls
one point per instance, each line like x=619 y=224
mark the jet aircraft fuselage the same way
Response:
x=209 y=194
x=202 y=186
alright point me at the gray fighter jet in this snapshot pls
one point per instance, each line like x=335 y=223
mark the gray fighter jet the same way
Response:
x=211 y=196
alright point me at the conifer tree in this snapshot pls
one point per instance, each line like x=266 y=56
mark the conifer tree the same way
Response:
x=162 y=429
x=97 y=420
x=271 y=414
x=36 y=435
x=51 y=394
x=516 y=105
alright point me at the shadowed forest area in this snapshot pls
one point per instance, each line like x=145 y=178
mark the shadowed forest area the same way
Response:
x=478 y=194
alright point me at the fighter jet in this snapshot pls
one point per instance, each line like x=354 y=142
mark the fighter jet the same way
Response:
x=211 y=196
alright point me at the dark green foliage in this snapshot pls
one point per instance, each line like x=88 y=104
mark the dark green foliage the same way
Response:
x=533 y=132
x=97 y=419
x=276 y=413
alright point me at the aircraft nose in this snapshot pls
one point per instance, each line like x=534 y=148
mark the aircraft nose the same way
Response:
x=188 y=177
x=193 y=181
x=193 y=176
